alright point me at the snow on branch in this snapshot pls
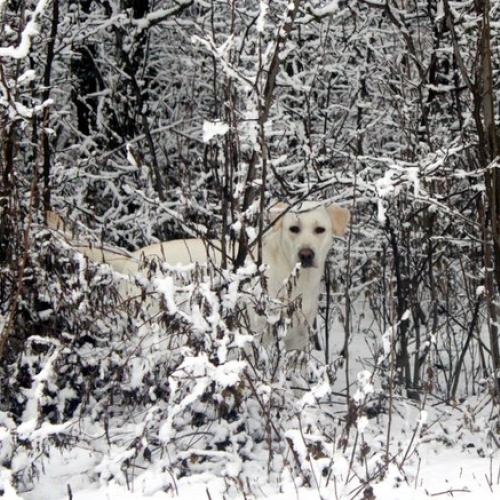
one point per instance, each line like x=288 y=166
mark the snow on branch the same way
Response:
x=29 y=31
x=160 y=15
x=15 y=108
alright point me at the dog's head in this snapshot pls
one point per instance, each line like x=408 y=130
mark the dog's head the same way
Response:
x=306 y=230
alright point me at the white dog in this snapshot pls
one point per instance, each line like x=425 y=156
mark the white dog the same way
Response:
x=294 y=252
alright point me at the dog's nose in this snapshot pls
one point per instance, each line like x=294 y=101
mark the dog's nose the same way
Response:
x=306 y=257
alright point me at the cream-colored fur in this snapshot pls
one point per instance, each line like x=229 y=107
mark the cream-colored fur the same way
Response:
x=294 y=251
x=282 y=252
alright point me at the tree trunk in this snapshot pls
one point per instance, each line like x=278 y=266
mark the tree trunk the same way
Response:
x=490 y=154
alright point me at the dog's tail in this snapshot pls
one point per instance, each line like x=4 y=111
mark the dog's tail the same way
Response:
x=118 y=258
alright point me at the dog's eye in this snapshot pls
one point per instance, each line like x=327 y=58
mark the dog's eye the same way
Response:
x=294 y=229
x=319 y=230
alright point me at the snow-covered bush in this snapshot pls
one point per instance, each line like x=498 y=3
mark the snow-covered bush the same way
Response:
x=143 y=121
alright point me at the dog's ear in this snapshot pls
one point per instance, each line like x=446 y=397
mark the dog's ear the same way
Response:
x=275 y=211
x=340 y=218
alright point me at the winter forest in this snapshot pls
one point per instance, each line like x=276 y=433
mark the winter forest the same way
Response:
x=140 y=121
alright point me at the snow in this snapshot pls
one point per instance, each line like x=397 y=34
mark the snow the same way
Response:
x=264 y=7
x=213 y=129
x=448 y=472
x=436 y=450
x=328 y=9
x=30 y=30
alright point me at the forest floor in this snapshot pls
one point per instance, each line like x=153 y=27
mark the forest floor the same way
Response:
x=435 y=450
x=452 y=458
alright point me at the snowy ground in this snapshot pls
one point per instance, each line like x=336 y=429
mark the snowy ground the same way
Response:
x=449 y=461
x=435 y=450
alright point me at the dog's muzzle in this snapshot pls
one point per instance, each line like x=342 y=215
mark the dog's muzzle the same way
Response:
x=306 y=257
